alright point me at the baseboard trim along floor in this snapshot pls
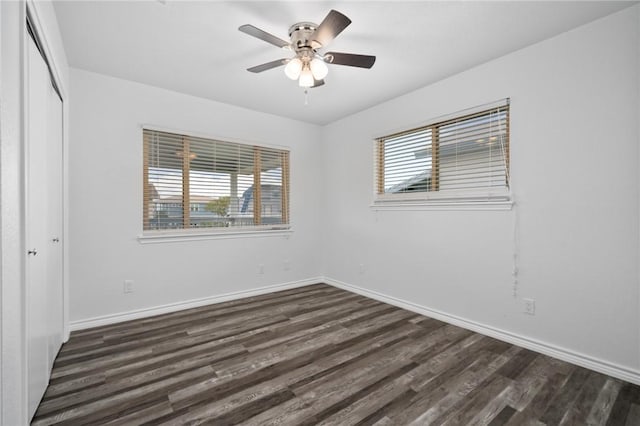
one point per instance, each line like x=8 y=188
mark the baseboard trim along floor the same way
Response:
x=563 y=354
x=187 y=304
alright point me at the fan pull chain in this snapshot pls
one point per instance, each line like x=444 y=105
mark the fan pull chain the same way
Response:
x=306 y=97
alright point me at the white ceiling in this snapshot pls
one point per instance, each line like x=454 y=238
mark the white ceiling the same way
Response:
x=196 y=48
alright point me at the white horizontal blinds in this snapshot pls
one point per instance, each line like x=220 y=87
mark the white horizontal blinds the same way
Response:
x=271 y=187
x=257 y=186
x=202 y=183
x=242 y=187
x=284 y=155
x=407 y=162
x=466 y=153
x=163 y=191
x=220 y=173
x=473 y=151
x=146 y=191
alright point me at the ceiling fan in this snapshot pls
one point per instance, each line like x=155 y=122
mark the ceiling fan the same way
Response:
x=308 y=66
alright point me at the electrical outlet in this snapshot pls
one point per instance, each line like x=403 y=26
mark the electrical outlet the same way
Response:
x=529 y=306
x=128 y=286
x=287 y=265
x=261 y=268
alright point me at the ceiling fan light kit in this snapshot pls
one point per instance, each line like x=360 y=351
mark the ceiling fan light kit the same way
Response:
x=306 y=78
x=318 y=68
x=308 y=66
x=293 y=68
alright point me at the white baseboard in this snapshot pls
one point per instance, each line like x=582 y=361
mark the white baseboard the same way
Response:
x=554 y=351
x=187 y=304
x=564 y=354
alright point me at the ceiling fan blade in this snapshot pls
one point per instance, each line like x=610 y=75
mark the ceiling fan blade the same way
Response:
x=350 y=59
x=268 y=65
x=329 y=28
x=263 y=35
x=317 y=83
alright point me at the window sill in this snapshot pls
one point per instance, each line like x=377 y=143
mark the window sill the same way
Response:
x=155 y=237
x=443 y=205
x=442 y=201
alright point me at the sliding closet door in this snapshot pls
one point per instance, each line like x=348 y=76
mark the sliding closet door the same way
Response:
x=54 y=226
x=36 y=226
x=43 y=225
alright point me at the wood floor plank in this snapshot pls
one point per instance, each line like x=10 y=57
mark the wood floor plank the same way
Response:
x=620 y=410
x=261 y=360
x=317 y=355
x=545 y=395
x=459 y=387
x=300 y=371
x=364 y=407
x=115 y=402
x=74 y=385
x=580 y=410
x=145 y=415
x=607 y=396
x=316 y=396
x=125 y=383
x=385 y=421
x=452 y=352
x=503 y=416
x=633 y=416
x=480 y=405
x=404 y=412
x=566 y=398
x=528 y=382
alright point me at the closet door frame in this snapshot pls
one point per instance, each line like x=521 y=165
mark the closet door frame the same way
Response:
x=33 y=15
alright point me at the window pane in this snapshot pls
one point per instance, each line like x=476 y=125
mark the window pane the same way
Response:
x=473 y=152
x=271 y=188
x=244 y=217
x=165 y=182
x=470 y=153
x=407 y=162
x=270 y=192
x=219 y=191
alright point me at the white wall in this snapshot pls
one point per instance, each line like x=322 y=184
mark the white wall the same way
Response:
x=12 y=249
x=575 y=162
x=575 y=175
x=106 y=201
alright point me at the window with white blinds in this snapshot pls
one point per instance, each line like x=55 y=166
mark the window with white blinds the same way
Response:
x=197 y=183
x=463 y=157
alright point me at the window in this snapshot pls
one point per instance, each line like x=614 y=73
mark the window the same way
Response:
x=197 y=183
x=463 y=158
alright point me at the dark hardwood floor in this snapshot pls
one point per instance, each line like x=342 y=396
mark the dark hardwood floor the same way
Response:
x=318 y=355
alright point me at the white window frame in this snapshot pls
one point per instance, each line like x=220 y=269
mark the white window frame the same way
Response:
x=497 y=198
x=195 y=234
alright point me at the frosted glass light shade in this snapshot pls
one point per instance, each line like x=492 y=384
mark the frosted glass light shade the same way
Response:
x=318 y=69
x=293 y=68
x=306 y=78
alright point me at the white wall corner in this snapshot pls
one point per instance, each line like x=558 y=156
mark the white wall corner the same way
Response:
x=582 y=360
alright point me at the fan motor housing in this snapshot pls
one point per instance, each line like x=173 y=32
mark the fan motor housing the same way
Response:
x=300 y=34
